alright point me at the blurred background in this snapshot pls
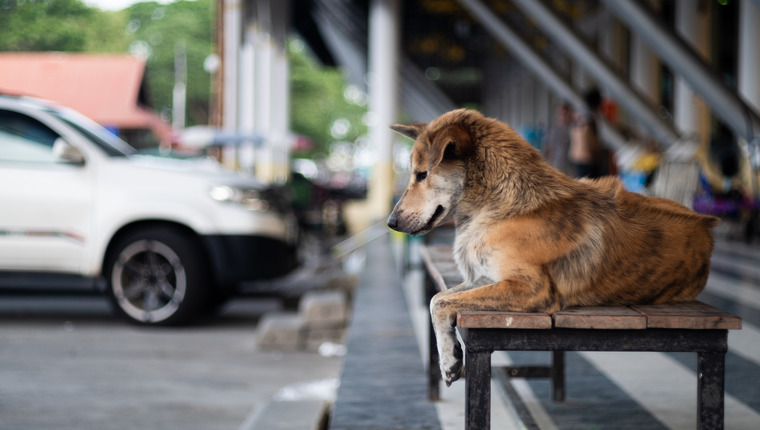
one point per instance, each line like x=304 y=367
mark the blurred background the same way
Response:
x=318 y=82
x=297 y=96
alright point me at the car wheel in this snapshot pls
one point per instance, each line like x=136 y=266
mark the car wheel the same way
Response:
x=157 y=276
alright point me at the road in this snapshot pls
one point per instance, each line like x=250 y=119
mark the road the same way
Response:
x=68 y=363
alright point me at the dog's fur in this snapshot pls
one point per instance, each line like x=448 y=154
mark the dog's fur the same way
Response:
x=545 y=240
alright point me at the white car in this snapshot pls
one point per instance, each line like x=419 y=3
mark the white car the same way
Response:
x=167 y=238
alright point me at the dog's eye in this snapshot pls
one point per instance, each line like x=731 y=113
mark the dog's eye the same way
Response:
x=421 y=176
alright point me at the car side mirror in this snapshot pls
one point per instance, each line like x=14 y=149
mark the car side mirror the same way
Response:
x=65 y=152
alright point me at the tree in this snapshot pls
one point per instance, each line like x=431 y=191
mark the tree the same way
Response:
x=60 y=25
x=318 y=101
x=158 y=29
x=147 y=28
x=154 y=30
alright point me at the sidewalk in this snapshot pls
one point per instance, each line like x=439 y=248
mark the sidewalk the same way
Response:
x=68 y=364
x=383 y=381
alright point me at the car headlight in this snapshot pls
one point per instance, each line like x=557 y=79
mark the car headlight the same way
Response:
x=248 y=198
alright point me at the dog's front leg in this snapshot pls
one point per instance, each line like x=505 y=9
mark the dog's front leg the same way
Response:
x=528 y=293
x=443 y=318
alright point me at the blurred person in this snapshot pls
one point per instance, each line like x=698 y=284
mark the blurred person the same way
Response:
x=723 y=177
x=725 y=188
x=556 y=143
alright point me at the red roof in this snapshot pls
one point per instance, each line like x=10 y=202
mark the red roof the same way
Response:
x=104 y=87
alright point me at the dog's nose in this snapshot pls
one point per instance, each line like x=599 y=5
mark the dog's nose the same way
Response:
x=393 y=221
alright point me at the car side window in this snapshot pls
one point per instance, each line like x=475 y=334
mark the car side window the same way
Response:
x=24 y=139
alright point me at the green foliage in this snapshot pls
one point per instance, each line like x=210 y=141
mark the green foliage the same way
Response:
x=72 y=26
x=317 y=101
x=105 y=33
x=161 y=28
x=60 y=25
x=155 y=29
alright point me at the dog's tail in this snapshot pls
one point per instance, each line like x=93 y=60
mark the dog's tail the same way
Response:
x=710 y=221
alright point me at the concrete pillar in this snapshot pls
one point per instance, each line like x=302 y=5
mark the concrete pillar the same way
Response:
x=526 y=111
x=281 y=93
x=232 y=20
x=384 y=29
x=749 y=54
x=263 y=120
x=264 y=95
x=513 y=92
x=263 y=83
x=543 y=104
x=689 y=111
x=610 y=40
x=179 y=92
x=644 y=71
x=496 y=88
x=580 y=79
x=280 y=130
x=232 y=24
x=247 y=96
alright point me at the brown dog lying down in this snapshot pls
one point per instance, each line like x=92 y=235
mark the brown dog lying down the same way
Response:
x=545 y=240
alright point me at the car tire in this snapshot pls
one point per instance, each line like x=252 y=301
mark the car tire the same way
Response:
x=157 y=277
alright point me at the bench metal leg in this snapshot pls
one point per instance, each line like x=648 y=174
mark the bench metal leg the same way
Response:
x=477 y=414
x=710 y=389
x=558 y=376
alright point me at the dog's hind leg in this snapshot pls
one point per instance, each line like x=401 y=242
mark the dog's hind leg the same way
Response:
x=523 y=293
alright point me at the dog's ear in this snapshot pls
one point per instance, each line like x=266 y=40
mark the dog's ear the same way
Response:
x=409 y=130
x=451 y=143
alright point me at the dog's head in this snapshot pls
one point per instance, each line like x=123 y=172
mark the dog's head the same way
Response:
x=436 y=176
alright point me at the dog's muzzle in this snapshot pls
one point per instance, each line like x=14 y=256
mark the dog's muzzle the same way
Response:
x=393 y=221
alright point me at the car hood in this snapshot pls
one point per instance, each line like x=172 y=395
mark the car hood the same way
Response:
x=198 y=168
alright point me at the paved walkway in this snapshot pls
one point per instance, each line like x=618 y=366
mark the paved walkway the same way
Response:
x=383 y=382
x=66 y=363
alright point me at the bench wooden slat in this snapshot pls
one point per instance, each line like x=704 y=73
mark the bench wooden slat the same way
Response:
x=431 y=266
x=440 y=264
x=504 y=320
x=692 y=315
x=453 y=279
x=600 y=317
x=434 y=258
x=440 y=252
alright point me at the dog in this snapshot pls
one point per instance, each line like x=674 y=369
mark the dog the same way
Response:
x=544 y=241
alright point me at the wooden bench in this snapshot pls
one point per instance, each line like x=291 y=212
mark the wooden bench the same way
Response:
x=685 y=327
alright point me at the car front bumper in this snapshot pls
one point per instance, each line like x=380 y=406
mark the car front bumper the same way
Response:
x=239 y=258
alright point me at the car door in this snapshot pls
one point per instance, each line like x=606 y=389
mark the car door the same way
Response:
x=45 y=201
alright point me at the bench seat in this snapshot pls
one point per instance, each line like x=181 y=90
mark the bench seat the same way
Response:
x=679 y=327
x=692 y=316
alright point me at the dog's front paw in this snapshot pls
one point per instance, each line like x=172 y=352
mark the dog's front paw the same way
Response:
x=452 y=374
x=451 y=366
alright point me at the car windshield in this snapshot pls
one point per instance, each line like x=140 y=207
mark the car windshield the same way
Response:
x=104 y=139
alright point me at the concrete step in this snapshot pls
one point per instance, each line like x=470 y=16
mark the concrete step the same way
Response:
x=281 y=331
x=323 y=308
x=289 y=415
x=321 y=318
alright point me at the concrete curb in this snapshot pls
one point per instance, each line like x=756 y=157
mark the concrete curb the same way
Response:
x=288 y=415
